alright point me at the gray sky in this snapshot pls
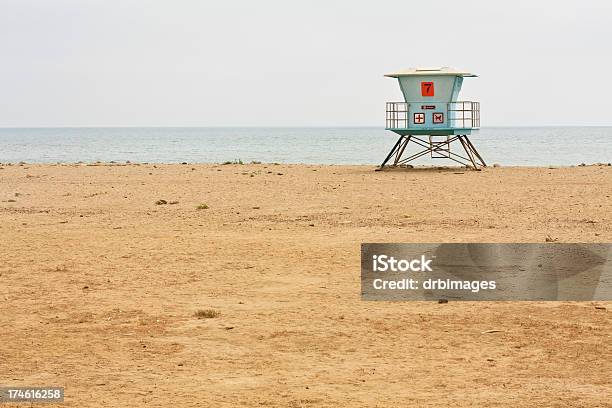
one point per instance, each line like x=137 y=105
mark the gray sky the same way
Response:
x=306 y=63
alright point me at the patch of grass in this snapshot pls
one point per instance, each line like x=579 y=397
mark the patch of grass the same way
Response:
x=238 y=161
x=202 y=206
x=207 y=314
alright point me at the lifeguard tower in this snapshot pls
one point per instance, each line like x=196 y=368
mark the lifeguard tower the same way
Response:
x=431 y=117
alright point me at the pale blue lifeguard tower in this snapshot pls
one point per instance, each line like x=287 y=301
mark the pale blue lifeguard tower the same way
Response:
x=432 y=117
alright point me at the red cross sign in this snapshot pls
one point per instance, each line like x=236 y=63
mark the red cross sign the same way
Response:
x=419 y=118
x=438 y=117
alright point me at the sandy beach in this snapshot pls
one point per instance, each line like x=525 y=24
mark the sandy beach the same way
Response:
x=103 y=268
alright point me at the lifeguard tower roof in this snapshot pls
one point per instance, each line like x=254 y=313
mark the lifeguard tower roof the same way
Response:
x=431 y=71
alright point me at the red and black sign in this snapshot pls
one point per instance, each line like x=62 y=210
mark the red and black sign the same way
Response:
x=427 y=89
x=419 y=118
x=438 y=117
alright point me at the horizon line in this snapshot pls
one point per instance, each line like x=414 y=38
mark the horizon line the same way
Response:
x=273 y=126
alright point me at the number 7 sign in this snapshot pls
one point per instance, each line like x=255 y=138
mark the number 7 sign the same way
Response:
x=427 y=89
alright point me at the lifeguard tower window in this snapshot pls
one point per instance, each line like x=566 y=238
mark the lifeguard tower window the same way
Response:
x=431 y=110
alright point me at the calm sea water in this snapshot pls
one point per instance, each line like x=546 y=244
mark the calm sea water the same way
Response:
x=523 y=146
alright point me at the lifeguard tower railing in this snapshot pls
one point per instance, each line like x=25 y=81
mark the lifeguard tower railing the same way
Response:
x=460 y=114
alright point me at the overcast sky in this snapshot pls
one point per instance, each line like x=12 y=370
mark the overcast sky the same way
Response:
x=289 y=63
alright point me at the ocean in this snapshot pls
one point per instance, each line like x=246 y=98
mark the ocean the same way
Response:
x=509 y=146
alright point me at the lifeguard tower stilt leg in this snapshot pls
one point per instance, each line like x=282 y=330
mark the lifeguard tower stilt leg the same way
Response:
x=436 y=149
x=432 y=118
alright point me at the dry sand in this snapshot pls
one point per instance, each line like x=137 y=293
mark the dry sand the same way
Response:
x=99 y=286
